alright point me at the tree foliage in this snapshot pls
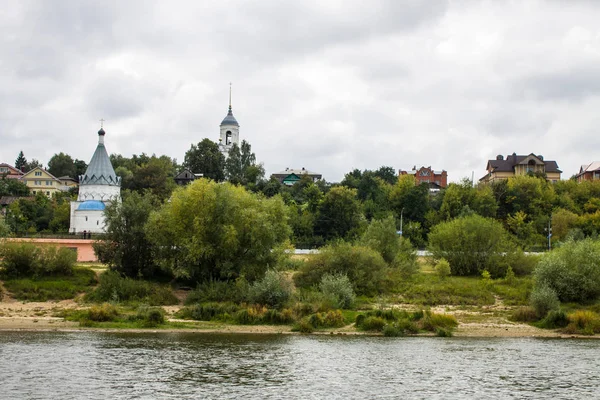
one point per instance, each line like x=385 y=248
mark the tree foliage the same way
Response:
x=62 y=164
x=207 y=159
x=473 y=244
x=218 y=231
x=126 y=248
x=339 y=214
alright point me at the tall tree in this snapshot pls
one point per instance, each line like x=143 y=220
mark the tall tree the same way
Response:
x=80 y=167
x=339 y=214
x=206 y=158
x=61 y=164
x=21 y=161
x=233 y=165
x=31 y=165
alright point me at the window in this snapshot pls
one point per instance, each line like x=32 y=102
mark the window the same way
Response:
x=228 y=138
x=33 y=192
x=38 y=173
x=97 y=222
x=47 y=193
x=86 y=219
x=48 y=183
x=38 y=183
x=3 y=169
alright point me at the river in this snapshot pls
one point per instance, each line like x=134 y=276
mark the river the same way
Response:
x=93 y=365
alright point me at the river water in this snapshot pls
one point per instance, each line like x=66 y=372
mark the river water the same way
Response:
x=91 y=365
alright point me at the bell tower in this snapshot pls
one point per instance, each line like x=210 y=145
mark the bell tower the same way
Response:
x=230 y=130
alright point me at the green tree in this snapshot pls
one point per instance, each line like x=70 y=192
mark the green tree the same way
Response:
x=4 y=228
x=126 y=248
x=572 y=271
x=218 y=231
x=21 y=161
x=156 y=175
x=339 y=214
x=80 y=167
x=62 y=164
x=473 y=244
x=13 y=187
x=381 y=236
x=32 y=165
x=206 y=158
x=233 y=165
x=387 y=174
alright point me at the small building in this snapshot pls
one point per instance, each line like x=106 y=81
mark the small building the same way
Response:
x=10 y=172
x=590 y=172
x=436 y=179
x=38 y=180
x=67 y=183
x=291 y=176
x=186 y=176
x=515 y=165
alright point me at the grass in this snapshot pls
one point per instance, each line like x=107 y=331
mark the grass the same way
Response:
x=52 y=287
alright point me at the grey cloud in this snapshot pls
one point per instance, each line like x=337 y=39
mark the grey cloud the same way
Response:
x=574 y=84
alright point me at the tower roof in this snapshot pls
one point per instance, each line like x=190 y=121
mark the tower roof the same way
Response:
x=230 y=119
x=100 y=170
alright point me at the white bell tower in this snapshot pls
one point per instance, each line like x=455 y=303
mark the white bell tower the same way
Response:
x=230 y=130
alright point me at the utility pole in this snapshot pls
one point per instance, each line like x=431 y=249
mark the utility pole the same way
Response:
x=549 y=230
x=401 y=215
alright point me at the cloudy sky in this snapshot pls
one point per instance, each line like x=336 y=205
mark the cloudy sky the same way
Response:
x=328 y=85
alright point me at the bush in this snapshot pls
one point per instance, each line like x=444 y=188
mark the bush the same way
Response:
x=330 y=319
x=442 y=268
x=584 y=323
x=381 y=236
x=524 y=314
x=150 y=316
x=115 y=288
x=405 y=259
x=364 y=267
x=510 y=276
x=208 y=311
x=19 y=259
x=472 y=244
x=400 y=328
x=339 y=288
x=56 y=261
x=572 y=271
x=236 y=292
x=432 y=321
x=26 y=259
x=273 y=290
x=555 y=319
x=102 y=313
x=372 y=324
x=544 y=299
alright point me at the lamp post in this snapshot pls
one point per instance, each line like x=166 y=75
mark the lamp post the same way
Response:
x=401 y=215
x=549 y=231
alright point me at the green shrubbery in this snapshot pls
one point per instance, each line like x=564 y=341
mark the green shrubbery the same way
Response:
x=442 y=268
x=213 y=290
x=472 y=244
x=544 y=299
x=115 y=288
x=572 y=271
x=364 y=267
x=584 y=323
x=401 y=323
x=26 y=260
x=274 y=290
x=338 y=288
x=46 y=288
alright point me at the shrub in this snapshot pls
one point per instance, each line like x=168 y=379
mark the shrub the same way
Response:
x=330 y=319
x=544 y=299
x=442 y=332
x=401 y=327
x=572 y=271
x=339 y=288
x=472 y=244
x=381 y=236
x=442 y=268
x=555 y=319
x=432 y=321
x=115 y=288
x=524 y=314
x=584 y=323
x=150 y=316
x=102 y=313
x=510 y=276
x=405 y=259
x=372 y=324
x=213 y=290
x=273 y=290
x=304 y=326
x=208 y=311
x=19 y=259
x=56 y=261
x=363 y=266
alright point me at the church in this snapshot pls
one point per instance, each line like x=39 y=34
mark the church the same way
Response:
x=98 y=187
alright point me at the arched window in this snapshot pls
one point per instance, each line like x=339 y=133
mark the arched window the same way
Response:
x=228 y=138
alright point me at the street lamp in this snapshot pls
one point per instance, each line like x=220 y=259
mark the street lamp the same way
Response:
x=401 y=215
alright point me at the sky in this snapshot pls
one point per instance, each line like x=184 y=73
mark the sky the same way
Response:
x=328 y=85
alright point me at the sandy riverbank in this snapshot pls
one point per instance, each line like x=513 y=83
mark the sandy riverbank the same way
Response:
x=42 y=316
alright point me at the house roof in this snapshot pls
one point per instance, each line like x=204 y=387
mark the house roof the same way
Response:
x=7 y=200
x=508 y=164
x=289 y=171
x=594 y=166
x=26 y=175
x=13 y=172
x=100 y=171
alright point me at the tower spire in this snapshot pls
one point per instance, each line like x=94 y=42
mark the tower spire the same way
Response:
x=229 y=96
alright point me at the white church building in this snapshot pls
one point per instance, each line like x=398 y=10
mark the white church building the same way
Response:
x=98 y=187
